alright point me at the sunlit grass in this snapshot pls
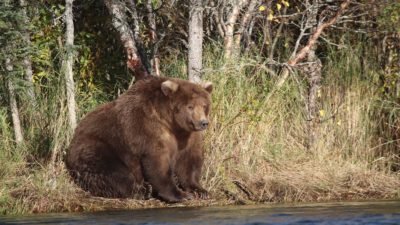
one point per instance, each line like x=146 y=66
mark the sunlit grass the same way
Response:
x=265 y=154
x=255 y=146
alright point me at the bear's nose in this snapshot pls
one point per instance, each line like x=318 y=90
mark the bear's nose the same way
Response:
x=203 y=124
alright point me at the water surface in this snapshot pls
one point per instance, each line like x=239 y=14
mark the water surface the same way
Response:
x=382 y=212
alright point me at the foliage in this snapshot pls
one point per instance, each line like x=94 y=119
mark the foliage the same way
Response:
x=256 y=145
x=390 y=16
x=11 y=38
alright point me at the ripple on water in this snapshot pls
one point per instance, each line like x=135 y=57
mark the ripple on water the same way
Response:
x=350 y=213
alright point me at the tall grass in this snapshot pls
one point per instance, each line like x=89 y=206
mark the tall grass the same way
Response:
x=265 y=156
x=255 y=146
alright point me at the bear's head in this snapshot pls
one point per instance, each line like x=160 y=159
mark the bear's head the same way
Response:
x=190 y=103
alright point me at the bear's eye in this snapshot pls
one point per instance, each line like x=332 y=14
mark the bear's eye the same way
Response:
x=190 y=107
x=205 y=107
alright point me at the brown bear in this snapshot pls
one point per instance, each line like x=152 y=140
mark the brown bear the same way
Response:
x=151 y=133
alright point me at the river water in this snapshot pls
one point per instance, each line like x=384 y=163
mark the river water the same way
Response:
x=382 y=212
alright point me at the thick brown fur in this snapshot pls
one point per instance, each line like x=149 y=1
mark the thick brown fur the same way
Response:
x=150 y=134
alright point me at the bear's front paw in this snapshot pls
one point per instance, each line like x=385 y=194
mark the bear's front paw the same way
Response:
x=175 y=196
x=187 y=195
x=201 y=193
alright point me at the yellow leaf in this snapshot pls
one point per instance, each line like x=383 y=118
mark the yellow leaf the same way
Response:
x=339 y=123
x=278 y=6
x=270 y=16
x=319 y=93
x=286 y=3
x=262 y=8
x=322 y=113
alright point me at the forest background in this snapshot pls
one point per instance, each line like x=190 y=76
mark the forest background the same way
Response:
x=305 y=102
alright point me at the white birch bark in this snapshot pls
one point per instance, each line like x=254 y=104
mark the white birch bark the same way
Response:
x=13 y=106
x=195 y=41
x=117 y=10
x=68 y=64
x=244 y=24
x=237 y=5
x=27 y=62
x=135 y=16
x=155 y=61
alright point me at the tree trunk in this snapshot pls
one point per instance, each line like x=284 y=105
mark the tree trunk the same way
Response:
x=218 y=19
x=68 y=63
x=135 y=18
x=313 y=72
x=117 y=10
x=27 y=62
x=195 y=41
x=297 y=57
x=155 y=61
x=230 y=27
x=13 y=105
x=244 y=25
x=311 y=41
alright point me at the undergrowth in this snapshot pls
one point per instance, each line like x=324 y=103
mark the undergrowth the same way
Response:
x=255 y=146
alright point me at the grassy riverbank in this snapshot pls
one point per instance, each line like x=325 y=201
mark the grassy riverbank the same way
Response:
x=255 y=147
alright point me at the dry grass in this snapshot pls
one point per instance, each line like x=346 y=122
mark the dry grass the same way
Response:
x=255 y=148
x=50 y=190
x=262 y=156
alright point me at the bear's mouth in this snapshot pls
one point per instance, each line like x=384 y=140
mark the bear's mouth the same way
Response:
x=196 y=128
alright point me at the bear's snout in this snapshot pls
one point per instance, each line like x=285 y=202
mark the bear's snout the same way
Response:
x=203 y=124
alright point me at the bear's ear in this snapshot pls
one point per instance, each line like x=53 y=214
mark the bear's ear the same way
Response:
x=169 y=87
x=208 y=86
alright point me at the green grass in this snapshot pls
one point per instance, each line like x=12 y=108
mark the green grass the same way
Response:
x=255 y=146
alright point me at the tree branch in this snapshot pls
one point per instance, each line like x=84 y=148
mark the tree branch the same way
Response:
x=119 y=21
x=306 y=49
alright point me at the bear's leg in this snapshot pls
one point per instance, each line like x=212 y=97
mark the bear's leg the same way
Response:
x=158 y=172
x=99 y=171
x=188 y=171
x=118 y=182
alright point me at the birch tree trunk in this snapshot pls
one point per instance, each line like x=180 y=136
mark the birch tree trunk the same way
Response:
x=155 y=60
x=314 y=76
x=13 y=105
x=243 y=25
x=117 y=10
x=195 y=41
x=237 y=5
x=68 y=63
x=27 y=62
